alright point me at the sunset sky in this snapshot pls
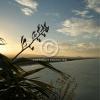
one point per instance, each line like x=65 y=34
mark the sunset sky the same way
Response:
x=74 y=25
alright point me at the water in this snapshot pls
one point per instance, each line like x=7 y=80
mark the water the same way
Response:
x=87 y=75
x=86 y=72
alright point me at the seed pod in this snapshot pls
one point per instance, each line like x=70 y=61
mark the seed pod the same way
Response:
x=44 y=24
x=47 y=29
x=44 y=35
x=39 y=40
x=32 y=48
x=22 y=38
x=38 y=27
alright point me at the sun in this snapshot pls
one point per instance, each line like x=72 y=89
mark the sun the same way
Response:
x=2 y=49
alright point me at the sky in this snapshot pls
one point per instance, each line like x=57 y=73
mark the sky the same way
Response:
x=74 y=26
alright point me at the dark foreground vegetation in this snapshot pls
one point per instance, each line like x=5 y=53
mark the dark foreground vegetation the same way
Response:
x=15 y=83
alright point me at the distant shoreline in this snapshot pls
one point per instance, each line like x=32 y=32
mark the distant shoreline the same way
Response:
x=34 y=60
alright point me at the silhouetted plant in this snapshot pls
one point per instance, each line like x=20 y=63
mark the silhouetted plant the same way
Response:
x=41 y=31
x=15 y=83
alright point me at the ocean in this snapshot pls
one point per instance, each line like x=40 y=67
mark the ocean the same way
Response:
x=87 y=75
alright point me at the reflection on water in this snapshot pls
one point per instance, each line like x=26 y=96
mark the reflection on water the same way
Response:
x=86 y=72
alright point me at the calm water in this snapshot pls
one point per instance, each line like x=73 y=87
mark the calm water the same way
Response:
x=86 y=73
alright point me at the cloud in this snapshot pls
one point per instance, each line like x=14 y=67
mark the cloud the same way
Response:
x=83 y=13
x=79 y=46
x=65 y=46
x=27 y=11
x=85 y=46
x=28 y=3
x=89 y=48
x=79 y=49
x=28 y=6
x=94 y=5
x=79 y=26
x=82 y=46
